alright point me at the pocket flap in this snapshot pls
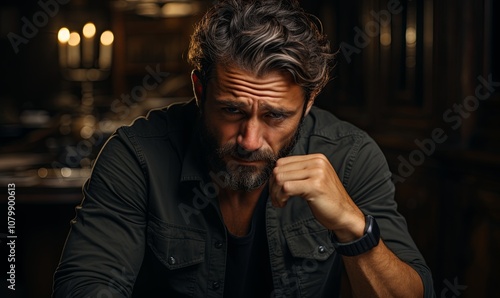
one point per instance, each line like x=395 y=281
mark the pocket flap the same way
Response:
x=309 y=239
x=177 y=246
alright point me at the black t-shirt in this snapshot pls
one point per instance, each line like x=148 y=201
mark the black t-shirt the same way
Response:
x=248 y=270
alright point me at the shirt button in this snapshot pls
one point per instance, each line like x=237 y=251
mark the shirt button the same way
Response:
x=172 y=261
x=215 y=285
x=321 y=249
x=218 y=244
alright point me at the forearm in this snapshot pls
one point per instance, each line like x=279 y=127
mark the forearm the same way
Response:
x=379 y=273
x=104 y=249
x=84 y=288
x=374 y=273
x=93 y=265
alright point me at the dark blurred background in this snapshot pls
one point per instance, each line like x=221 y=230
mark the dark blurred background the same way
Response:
x=422 y=77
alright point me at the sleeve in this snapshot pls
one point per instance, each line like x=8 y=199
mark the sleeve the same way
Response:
x=368 y=181
x=105 y=246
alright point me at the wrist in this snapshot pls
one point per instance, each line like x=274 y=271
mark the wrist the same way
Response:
x=353 y=229
x=369 y=240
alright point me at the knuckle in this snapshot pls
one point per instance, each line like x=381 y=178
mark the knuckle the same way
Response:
x=276 y=171
x=320 y=156
x=319 y=171
x=279 y=179
x=324 y=161
x=279 y=162
x=286 y=187
x=317 y=162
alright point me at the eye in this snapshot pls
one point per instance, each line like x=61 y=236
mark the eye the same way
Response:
x=231 y=110
x=276 y=116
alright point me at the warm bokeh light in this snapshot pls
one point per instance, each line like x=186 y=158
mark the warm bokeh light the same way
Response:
x=107 y=38
x=74 y=39
x=411 y=36
x=175 y=9
x=147 y=9
x=86 y=132
x=385 y=39
x=63 y=35
x=89 y=30
x=66 y=172
x=43 y=172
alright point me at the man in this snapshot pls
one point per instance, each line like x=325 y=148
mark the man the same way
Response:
x=248 y=190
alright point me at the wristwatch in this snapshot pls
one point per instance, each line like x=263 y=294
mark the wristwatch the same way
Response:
x=370 y=239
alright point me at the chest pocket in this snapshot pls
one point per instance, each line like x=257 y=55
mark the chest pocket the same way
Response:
x=179 y=258
x=176 y=246
x=308 y=239
x=313 y=263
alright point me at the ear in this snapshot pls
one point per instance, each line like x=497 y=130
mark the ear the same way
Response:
x=197 y=86
x=309 y=106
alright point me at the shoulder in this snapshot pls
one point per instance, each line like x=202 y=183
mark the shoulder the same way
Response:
x=321 y=126
x=163 y=122
x=162 y=135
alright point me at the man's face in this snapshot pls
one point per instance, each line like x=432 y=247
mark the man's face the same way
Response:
x=249 y=122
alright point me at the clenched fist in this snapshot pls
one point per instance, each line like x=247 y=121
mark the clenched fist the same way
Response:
x=313 y=178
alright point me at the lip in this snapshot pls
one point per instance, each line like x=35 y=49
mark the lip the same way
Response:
x=246 y=162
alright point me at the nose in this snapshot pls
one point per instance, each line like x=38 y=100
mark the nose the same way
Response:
x=250 y=136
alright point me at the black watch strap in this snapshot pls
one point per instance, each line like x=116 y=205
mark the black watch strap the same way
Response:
x=370 y=239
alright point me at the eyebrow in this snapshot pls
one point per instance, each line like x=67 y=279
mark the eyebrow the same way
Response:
x=279 y=110
x=235 y=104
x=230 y=103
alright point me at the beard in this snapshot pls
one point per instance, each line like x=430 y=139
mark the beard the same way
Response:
x=240 y=177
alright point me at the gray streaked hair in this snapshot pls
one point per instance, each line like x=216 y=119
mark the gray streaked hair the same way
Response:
x=261 y=36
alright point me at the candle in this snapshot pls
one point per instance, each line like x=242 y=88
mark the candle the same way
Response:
x=105 y=52
x=63 y=37
x=88 y=45
x=74 y=50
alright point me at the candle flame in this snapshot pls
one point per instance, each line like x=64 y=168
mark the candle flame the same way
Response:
x=107 y=38
x=74 y=39
x=89 y=30
x=411 y=36
x=63 y=35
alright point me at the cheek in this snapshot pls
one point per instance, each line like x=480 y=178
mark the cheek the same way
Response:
x=277 y=139
x=223 y=132
x=228 y=133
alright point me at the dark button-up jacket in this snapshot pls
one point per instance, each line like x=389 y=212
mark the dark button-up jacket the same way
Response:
x=150 y=226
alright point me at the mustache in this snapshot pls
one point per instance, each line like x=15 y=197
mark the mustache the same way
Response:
x=234 y=150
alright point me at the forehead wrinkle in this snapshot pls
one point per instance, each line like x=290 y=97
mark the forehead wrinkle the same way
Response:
x=273 y=88
x=277 y=82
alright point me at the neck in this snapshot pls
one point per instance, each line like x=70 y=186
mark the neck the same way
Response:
x=240 y=197
x=237 y=209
